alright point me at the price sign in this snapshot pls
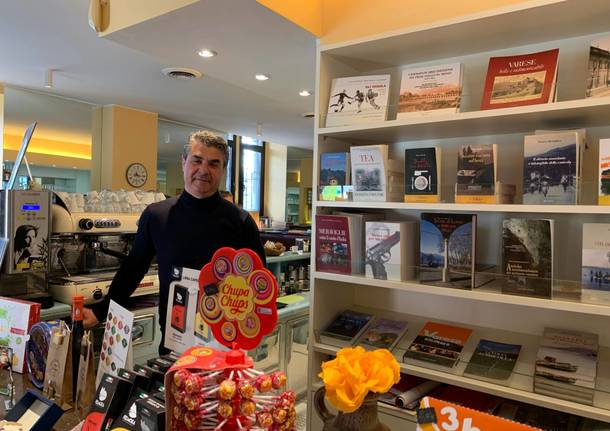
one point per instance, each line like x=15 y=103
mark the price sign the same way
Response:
x=437 y=415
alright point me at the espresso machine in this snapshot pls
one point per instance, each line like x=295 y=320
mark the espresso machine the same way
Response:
x=86 y=249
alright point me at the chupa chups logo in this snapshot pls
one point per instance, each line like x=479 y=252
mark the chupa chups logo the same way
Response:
x=236 y=297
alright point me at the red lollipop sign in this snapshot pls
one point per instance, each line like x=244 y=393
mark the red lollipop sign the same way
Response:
x=238 y=297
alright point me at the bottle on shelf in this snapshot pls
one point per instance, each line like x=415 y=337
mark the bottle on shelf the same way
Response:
x=78 y=330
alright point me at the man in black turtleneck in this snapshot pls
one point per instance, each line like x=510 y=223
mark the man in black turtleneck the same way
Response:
x=183 y=231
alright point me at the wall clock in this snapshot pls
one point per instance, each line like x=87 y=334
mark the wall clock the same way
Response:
x=136 y=174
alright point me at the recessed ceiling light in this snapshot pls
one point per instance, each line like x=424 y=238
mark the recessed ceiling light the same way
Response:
x=207 y=53
x=261 y=77
x=304 y=93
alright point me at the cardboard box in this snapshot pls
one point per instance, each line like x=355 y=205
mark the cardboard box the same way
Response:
x=111 y=396
x=151 y=415
x=35 y=412
x=16 y=320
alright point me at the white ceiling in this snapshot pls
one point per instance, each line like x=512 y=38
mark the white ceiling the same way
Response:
x=126 y=70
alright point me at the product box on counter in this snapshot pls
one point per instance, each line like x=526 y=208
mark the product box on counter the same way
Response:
x=16 y=319
x=153 y=374
x=35 y=412
x=111 y=396
x=128 y=417
x=184 y=327
x=151 y=415
x=137 y=380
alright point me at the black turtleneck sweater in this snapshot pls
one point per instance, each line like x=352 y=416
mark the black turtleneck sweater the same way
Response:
x=184 y=232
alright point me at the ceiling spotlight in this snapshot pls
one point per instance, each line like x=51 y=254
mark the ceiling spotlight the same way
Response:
x=261 y=77
x=207 y=53
x=48 y=80
x=304 y=93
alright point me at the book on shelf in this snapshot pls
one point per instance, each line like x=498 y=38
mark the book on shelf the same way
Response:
x=448 y=249
x=527 y=257
x=595 y=279
x=439 y=344
x=375 y=176
x=345 y=328
x=335 y=175
x=390 y=250
x=382 y=334
x=476 y=173
x=423 y=175
x=598 y=78
x=603 y=194
x=339 y=243
x=566 y=364
x=520 y=80
x=430 y=89
x=493 y=360
x=550 y=168
x=358 y=100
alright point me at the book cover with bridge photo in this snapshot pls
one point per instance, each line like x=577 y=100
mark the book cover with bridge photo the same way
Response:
x=447 y=249
x=390 y=250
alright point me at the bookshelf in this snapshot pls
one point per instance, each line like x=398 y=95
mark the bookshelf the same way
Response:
x=527 y=27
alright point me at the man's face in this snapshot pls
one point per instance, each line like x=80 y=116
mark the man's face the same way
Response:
x=203 y=169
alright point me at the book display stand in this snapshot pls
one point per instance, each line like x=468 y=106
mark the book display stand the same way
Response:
x=492 y=315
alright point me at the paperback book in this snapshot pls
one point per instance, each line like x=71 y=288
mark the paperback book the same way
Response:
x=603 y=197
x=493 y=360
x=358 y=100
x=566 y=364
x=595 y=279
x=527 y=257
x=345 y=328
x=439 y=344
x=383 y=334
x=375 y=176
x=520 y=80
x=338 y=243
x=476 y=174
x=598 y=81
x=335 y=175
x=422 y=175
x=550 y=168
x=390 y=250
x=448 y=249
x=430 y=89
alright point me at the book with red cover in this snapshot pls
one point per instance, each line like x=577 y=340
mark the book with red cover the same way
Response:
x=338 y=243
x=520 y=80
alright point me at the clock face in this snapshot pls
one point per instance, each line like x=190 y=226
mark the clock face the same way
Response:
x=136 y=174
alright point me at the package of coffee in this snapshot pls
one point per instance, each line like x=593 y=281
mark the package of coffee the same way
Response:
x=111 y=396
x=151 y=415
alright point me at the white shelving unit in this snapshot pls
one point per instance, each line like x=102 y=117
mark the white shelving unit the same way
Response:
x=569 y=25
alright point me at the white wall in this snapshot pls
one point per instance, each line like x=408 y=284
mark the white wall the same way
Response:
x=275 y=181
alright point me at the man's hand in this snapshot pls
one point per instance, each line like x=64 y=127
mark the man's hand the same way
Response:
x=89 y=319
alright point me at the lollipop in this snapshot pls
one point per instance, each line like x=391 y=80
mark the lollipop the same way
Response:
x=178 y=395
x=264 y=383
x=279 y=415
x=247 y=407
x=278 y=379
x=194 y=383
x=178 y=412
x=225 y=409
x=180 y=378
x=264 y=419
x=227 y=389
x=246 y=390
x=193 y=401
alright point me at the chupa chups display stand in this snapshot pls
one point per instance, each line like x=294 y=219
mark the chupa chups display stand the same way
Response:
x=208 y=389
x=435 y=415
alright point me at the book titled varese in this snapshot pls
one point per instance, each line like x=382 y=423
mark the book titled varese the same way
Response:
x=439 y=344
x=551 y=167
x=338 y=243
x=422 y=175
x=390 y=250
x=527 y=257
x=476 y=174
x=358 y=100
x=432 y=89
x=519 y=80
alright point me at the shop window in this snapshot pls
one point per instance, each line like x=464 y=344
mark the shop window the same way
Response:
x=251 y=174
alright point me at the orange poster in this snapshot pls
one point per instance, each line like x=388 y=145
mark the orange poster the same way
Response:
x=446 y=416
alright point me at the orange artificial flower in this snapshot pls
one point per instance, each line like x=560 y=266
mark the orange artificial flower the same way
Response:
x=354 y=372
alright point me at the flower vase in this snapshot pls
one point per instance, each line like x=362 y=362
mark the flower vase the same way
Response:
x=363 y=419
